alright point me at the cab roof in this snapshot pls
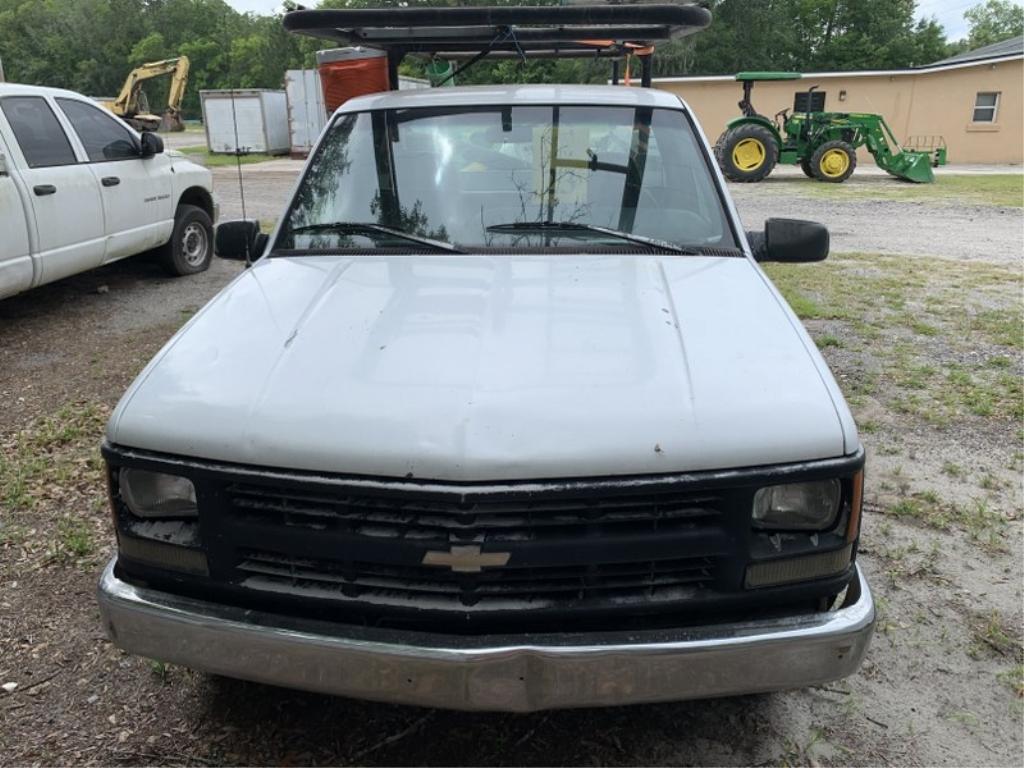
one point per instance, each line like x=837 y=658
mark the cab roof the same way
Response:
x=515 y=95
x=20 y=89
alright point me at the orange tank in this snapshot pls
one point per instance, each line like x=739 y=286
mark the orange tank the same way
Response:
x=349 y=72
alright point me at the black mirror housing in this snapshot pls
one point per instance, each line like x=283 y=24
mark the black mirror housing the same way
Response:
x=240 y=240
x=152 y=144
x=790 y=240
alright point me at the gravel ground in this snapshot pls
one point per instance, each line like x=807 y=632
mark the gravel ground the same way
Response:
x=954 y=229
x=942 y=681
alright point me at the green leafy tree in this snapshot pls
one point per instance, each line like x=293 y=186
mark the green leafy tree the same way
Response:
x=994 y=21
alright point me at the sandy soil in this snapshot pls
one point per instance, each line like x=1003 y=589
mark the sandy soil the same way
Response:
x=942 y=681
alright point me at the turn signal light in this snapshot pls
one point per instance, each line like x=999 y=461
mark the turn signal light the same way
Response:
x=794 y=569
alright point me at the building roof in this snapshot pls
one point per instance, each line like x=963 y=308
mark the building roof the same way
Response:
x=1007 y=50
x=1012 y=47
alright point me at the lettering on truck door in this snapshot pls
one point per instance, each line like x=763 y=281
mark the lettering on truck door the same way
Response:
x=137 y=206
x=15 y=259
x=67 y=217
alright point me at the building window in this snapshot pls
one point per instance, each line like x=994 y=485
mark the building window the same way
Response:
x=986 y=105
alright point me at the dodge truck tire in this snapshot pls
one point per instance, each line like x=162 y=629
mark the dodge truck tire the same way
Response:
x=190 y=248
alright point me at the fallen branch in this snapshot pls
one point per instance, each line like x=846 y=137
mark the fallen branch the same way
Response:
x=526 y=736
x=357 y=757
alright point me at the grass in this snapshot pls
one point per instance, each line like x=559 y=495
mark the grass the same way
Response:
x=1000 y=189
x=51 y=480
x=1014 y=678
x=210 y=160
x=935 y=339
x=982 y=524
x=49 y=453
x=74 y=540
x=991 y=636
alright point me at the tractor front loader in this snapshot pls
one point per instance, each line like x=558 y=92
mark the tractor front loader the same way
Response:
x=823 y=143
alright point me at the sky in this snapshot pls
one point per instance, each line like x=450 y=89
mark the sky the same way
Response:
x=950 y=13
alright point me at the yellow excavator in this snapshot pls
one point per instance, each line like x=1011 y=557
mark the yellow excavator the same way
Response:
x=132 y=106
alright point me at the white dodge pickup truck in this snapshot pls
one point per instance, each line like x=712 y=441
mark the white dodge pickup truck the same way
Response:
x=79 y=189
x=505 y=416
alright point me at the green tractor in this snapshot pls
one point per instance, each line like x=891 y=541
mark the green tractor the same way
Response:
x=823 y=143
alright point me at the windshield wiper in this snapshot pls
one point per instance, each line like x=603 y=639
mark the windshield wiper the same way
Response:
x=574 y=226
x=362 y=227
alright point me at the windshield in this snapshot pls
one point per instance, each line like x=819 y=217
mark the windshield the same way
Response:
x=531 y=177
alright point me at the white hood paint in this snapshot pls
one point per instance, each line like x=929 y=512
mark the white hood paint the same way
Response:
x=473 y=368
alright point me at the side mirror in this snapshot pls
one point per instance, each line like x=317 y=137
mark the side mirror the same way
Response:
x=790 y=240
x=152 y=144
x=240 y=240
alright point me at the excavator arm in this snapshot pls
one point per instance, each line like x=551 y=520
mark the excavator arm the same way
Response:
x=127 y=104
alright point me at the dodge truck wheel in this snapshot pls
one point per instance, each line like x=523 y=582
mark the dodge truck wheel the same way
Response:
x=191 y=245
x=747 y=153
x=833 y=162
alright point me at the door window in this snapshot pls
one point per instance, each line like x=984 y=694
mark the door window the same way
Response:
x=42 y=140
x=103 y=137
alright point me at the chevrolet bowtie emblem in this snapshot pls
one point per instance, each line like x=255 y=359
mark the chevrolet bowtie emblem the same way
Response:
x=468 y=559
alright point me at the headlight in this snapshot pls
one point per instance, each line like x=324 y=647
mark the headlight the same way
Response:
x=155 y=494
x=797 y=506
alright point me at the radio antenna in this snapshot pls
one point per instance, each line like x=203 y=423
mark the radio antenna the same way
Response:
x=238 y=166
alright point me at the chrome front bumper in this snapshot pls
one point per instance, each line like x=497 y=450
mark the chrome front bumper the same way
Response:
x=517 y=673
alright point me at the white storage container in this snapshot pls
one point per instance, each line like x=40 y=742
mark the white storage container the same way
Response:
x=258 y=117
x=307 y=114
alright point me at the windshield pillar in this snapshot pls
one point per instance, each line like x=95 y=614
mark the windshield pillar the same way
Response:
x=637 y=165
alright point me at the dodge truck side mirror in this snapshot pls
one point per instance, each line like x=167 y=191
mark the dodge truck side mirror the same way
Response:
x=790 y=240
x=151 y=145
x=240 y=240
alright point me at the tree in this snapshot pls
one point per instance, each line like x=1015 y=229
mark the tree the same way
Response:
x=994 y=21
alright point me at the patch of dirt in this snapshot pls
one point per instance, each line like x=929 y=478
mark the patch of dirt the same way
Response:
x=939 y=687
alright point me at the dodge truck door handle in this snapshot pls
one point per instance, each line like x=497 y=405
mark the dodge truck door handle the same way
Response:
x=110 y=181
x=44 y=189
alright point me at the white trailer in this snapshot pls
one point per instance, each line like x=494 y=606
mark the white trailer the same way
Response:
x=307 y=113
x=246 y=120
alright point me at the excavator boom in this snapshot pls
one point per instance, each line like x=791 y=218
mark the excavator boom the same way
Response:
x=128 y=104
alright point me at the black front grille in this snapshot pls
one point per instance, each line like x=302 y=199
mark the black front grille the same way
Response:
x=603 y=553
x=504 y=588
x=464 y=518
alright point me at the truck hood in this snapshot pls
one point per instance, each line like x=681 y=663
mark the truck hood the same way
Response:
x=472 y=368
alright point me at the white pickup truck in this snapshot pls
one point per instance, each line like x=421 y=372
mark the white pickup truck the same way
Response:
x=79 y=189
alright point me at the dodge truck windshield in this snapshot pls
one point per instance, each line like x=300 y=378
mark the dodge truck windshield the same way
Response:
x=502 y=177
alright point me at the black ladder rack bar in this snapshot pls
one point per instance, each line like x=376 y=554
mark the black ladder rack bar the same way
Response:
x=428 y=30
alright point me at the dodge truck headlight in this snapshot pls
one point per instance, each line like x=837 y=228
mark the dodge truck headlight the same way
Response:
x=157 y=494
x=811 y=506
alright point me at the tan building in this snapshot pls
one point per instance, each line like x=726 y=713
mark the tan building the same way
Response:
x=974 y=101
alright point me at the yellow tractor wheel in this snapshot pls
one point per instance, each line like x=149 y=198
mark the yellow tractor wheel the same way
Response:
x=833 y=162
x=747 y=152
x=749 y=155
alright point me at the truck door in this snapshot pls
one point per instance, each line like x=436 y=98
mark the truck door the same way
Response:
x=67 y=217
x=138 y=210
x=15 y=259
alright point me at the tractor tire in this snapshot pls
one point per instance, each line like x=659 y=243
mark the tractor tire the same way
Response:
x=747 y=153
x=190 y=249
x=805 y=166
x=833 y=162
